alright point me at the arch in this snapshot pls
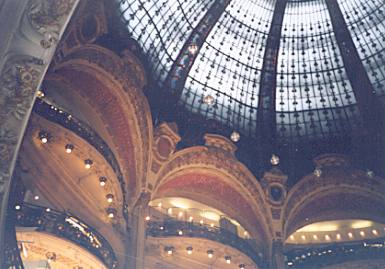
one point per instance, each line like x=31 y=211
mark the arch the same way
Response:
x=341 y=193
x=112 y=87
x=215 y=177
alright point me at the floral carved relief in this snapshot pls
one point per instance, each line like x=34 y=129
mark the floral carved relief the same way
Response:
x=18 y=82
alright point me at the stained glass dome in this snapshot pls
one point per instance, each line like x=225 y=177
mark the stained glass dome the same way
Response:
x=301 y=54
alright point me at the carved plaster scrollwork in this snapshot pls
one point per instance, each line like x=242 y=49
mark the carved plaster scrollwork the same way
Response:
x=46 y=17
x=23 y=64
x=18 y=82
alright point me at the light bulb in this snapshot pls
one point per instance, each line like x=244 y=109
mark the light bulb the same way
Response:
x=88 y=163
x=210 y=253
x=274 y=160
x=43 y=136
x=110 y=198
x=189 y=250
x=69 y=148
x=193 y=48
x=208 y=100
x=111 y=212
x=102 y=181
x=228 y=259
x=235 y=136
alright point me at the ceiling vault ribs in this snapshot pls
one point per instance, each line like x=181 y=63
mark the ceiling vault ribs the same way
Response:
x=358 y=77
x=362 y=87
x=266 y=118
x=180 y=69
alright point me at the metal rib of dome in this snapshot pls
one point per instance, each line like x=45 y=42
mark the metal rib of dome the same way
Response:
x=314 y=97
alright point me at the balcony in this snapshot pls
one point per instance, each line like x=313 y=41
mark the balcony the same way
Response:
x=175 y=228
x=321 y=256
x=66 y=226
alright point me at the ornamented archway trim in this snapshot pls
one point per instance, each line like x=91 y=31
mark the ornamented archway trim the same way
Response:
x=226 y=168
x=129 y=78
x=311 y=188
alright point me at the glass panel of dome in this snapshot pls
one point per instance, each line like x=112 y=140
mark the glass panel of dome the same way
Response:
x=162 y=27
x=228 y=67
x=366 y=24
x=314 y=96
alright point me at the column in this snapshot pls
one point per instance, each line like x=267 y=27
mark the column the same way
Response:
x=30 y=31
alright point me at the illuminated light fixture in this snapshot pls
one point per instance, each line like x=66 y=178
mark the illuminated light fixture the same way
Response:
x=242 y=266
x=189 y=250
x=43 y=136
x=17 y=207
x=290 y=263
x=147 y=218
x=180 y=232
x=111 y=212
x=169 y=250
x=102 y=181
x=327 y=237
x=210 y=253
x=88 y=163
x=362 y=233
x=370 y=173
x=51 y=257
x=303 y=237
x=48 y=209
x=317 y=172
x=161 y=228
x=40 y=93
x=292 y=237
x=193 y=48
x=350 y=235
x=180 y=214
x=274 y=159
x=159 y=204
x=374 y=232
x=235 y=136
x=169 y=211
x=69 y=148
x=338 y=236
x=201 y=221
x=190 y=218
x=36 y=197
x=110 y=198
x=208 y=100
x=315 y=237
x=211 y=225
x=228 y=259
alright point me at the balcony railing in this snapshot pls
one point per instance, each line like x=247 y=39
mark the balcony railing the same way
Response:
x=177 y=228
x=318 y=257
x=68 y=227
